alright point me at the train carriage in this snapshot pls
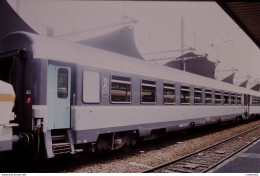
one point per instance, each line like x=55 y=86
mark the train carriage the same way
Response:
x=71 y=97
x=7 y=97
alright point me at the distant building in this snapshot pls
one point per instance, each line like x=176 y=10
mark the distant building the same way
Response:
x=196 y=64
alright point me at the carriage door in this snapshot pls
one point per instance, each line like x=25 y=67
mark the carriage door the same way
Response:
x=58 y=97
x=247 y=102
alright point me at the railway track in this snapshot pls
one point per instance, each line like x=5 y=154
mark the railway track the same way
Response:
x=206 y=159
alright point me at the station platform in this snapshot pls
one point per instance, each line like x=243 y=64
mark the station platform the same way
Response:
x=246 y=161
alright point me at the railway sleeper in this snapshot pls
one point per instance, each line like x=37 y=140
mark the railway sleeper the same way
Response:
x=181 y=170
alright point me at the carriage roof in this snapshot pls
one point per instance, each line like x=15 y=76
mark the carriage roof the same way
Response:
x=50 y=48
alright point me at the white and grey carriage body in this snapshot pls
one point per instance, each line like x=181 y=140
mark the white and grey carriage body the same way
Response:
x=70 y=97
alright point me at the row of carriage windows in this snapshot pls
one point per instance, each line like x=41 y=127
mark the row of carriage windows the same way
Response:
x=121 y=93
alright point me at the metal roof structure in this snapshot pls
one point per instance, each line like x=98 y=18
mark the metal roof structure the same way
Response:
x=246 y=15
x=243 y=84
x=256 y=87
x=10 y=21
x=229 y=79
x=120 y=41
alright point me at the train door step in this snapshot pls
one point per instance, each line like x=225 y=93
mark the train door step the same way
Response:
x=58 y=137
x=62 y=142
x=61 y=148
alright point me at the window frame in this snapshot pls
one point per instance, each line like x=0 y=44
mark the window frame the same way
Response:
x=67 y=86
x=255 y=100
x=207 y=93
x=224 y=98
x=184 y=87
x=172 y=88
x=200 y=90
x=239 y=103
x=217 y=93
x=120 y=81
x=148 y=85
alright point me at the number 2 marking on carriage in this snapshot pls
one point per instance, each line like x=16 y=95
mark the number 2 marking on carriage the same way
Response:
x=105 y=90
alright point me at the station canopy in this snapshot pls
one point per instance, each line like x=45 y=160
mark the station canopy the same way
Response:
x=256 y=87
x=10 y=21
x=229 y=79
x=246 y=14
x=243 y=84
x=120 y=41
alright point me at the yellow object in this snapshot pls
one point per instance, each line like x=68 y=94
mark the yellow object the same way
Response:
x=7 y=98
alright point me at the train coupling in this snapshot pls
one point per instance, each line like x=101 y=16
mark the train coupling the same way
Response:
x=24 y=138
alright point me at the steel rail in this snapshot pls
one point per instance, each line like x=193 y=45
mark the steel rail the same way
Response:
x=204 y=149
x=229 y=156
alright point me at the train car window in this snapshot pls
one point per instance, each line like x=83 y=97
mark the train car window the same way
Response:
x=169 y=93
x=197 y=96
x=120 y=89
x=233 y=99
x=217 y=97
x=255 y=100
x=208 y=97
x=91 y=87
x=239 y=100
x=185 y=95
x=148 y=91
x=62 y=86
x=226 y=98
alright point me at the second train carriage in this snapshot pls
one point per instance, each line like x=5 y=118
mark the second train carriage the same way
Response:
x=71 y=97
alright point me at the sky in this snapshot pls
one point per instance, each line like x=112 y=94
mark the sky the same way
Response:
x=207 y=28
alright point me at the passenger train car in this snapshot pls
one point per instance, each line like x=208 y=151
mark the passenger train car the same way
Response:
x=7 y=98
x=71 y=98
